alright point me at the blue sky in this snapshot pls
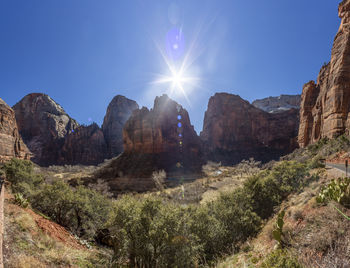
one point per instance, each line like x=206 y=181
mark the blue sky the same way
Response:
x=84 y=52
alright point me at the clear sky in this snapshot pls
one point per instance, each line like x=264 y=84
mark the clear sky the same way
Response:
x=84 y=52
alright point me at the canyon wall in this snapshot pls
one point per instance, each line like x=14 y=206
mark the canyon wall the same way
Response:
x=234 y=130
x=325 y=104
x=55 y=138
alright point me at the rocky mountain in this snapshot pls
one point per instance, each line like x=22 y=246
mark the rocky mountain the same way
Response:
x=43 y=125
x=325 y=105
x=56 y=139
x=278 y=104
x=158 y=139
x=11 y=144
x=234 y=130
x=118 y=112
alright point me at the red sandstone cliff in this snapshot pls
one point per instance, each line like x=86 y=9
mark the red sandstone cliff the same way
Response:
x=325 y=105
x=11 y=144
x=234 y=130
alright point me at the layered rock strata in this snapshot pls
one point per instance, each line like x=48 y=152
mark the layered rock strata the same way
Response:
x=325 y=104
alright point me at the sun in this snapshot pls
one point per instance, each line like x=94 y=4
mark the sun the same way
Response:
x=179 y=82
x=177 y=79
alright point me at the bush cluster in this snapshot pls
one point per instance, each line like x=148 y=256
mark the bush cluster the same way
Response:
x=152 y=232
x=82 y=210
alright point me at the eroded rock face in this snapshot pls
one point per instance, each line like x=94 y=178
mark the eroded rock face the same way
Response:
x=234 y=130
x=325 y=105
x=158 y=139
x=43 y=125
x=118 y=112
x=278 y=104
x=11 y=144
x=86 y=145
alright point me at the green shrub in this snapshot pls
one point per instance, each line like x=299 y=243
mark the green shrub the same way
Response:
x=270 y=187
x=209 y=230
x=150 y=233
x=316 y=163
x=337 y=190
x=82 y=210
x=280 y=259
x=235 y=213
x=20 y=173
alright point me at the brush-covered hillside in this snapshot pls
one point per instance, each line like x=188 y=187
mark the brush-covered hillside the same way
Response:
x=289 y=213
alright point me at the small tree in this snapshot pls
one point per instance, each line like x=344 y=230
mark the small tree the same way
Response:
x=101 y=187
x=158 y=178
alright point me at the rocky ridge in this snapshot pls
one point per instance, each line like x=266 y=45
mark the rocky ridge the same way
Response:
x=278 y=104
x=57 y=139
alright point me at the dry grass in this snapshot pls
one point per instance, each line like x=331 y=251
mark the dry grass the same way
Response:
x=317 y=235
x=28 y=245
x=218 y=180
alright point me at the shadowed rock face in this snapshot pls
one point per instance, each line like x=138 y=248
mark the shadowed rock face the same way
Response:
x=325 y=105
x=11 y=144
x=43 y=125
x=86 y=145
x=118 y=112
x=151 y=143
x=234 y=130
x=164 y=130
x=57 y=139
x=278 y=104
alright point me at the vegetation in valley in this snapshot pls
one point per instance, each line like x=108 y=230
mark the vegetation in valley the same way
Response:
x=157 y=230
x=153 y=232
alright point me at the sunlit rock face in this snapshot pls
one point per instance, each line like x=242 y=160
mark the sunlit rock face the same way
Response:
x=86 y=145
x=11 y=144
x=234 y=130
x=43 y=125
x=118 y=112
x=278 y=104
x=325 y=105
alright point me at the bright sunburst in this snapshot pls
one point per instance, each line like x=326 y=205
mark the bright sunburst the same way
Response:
x=178 y=76
x=178 y=79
